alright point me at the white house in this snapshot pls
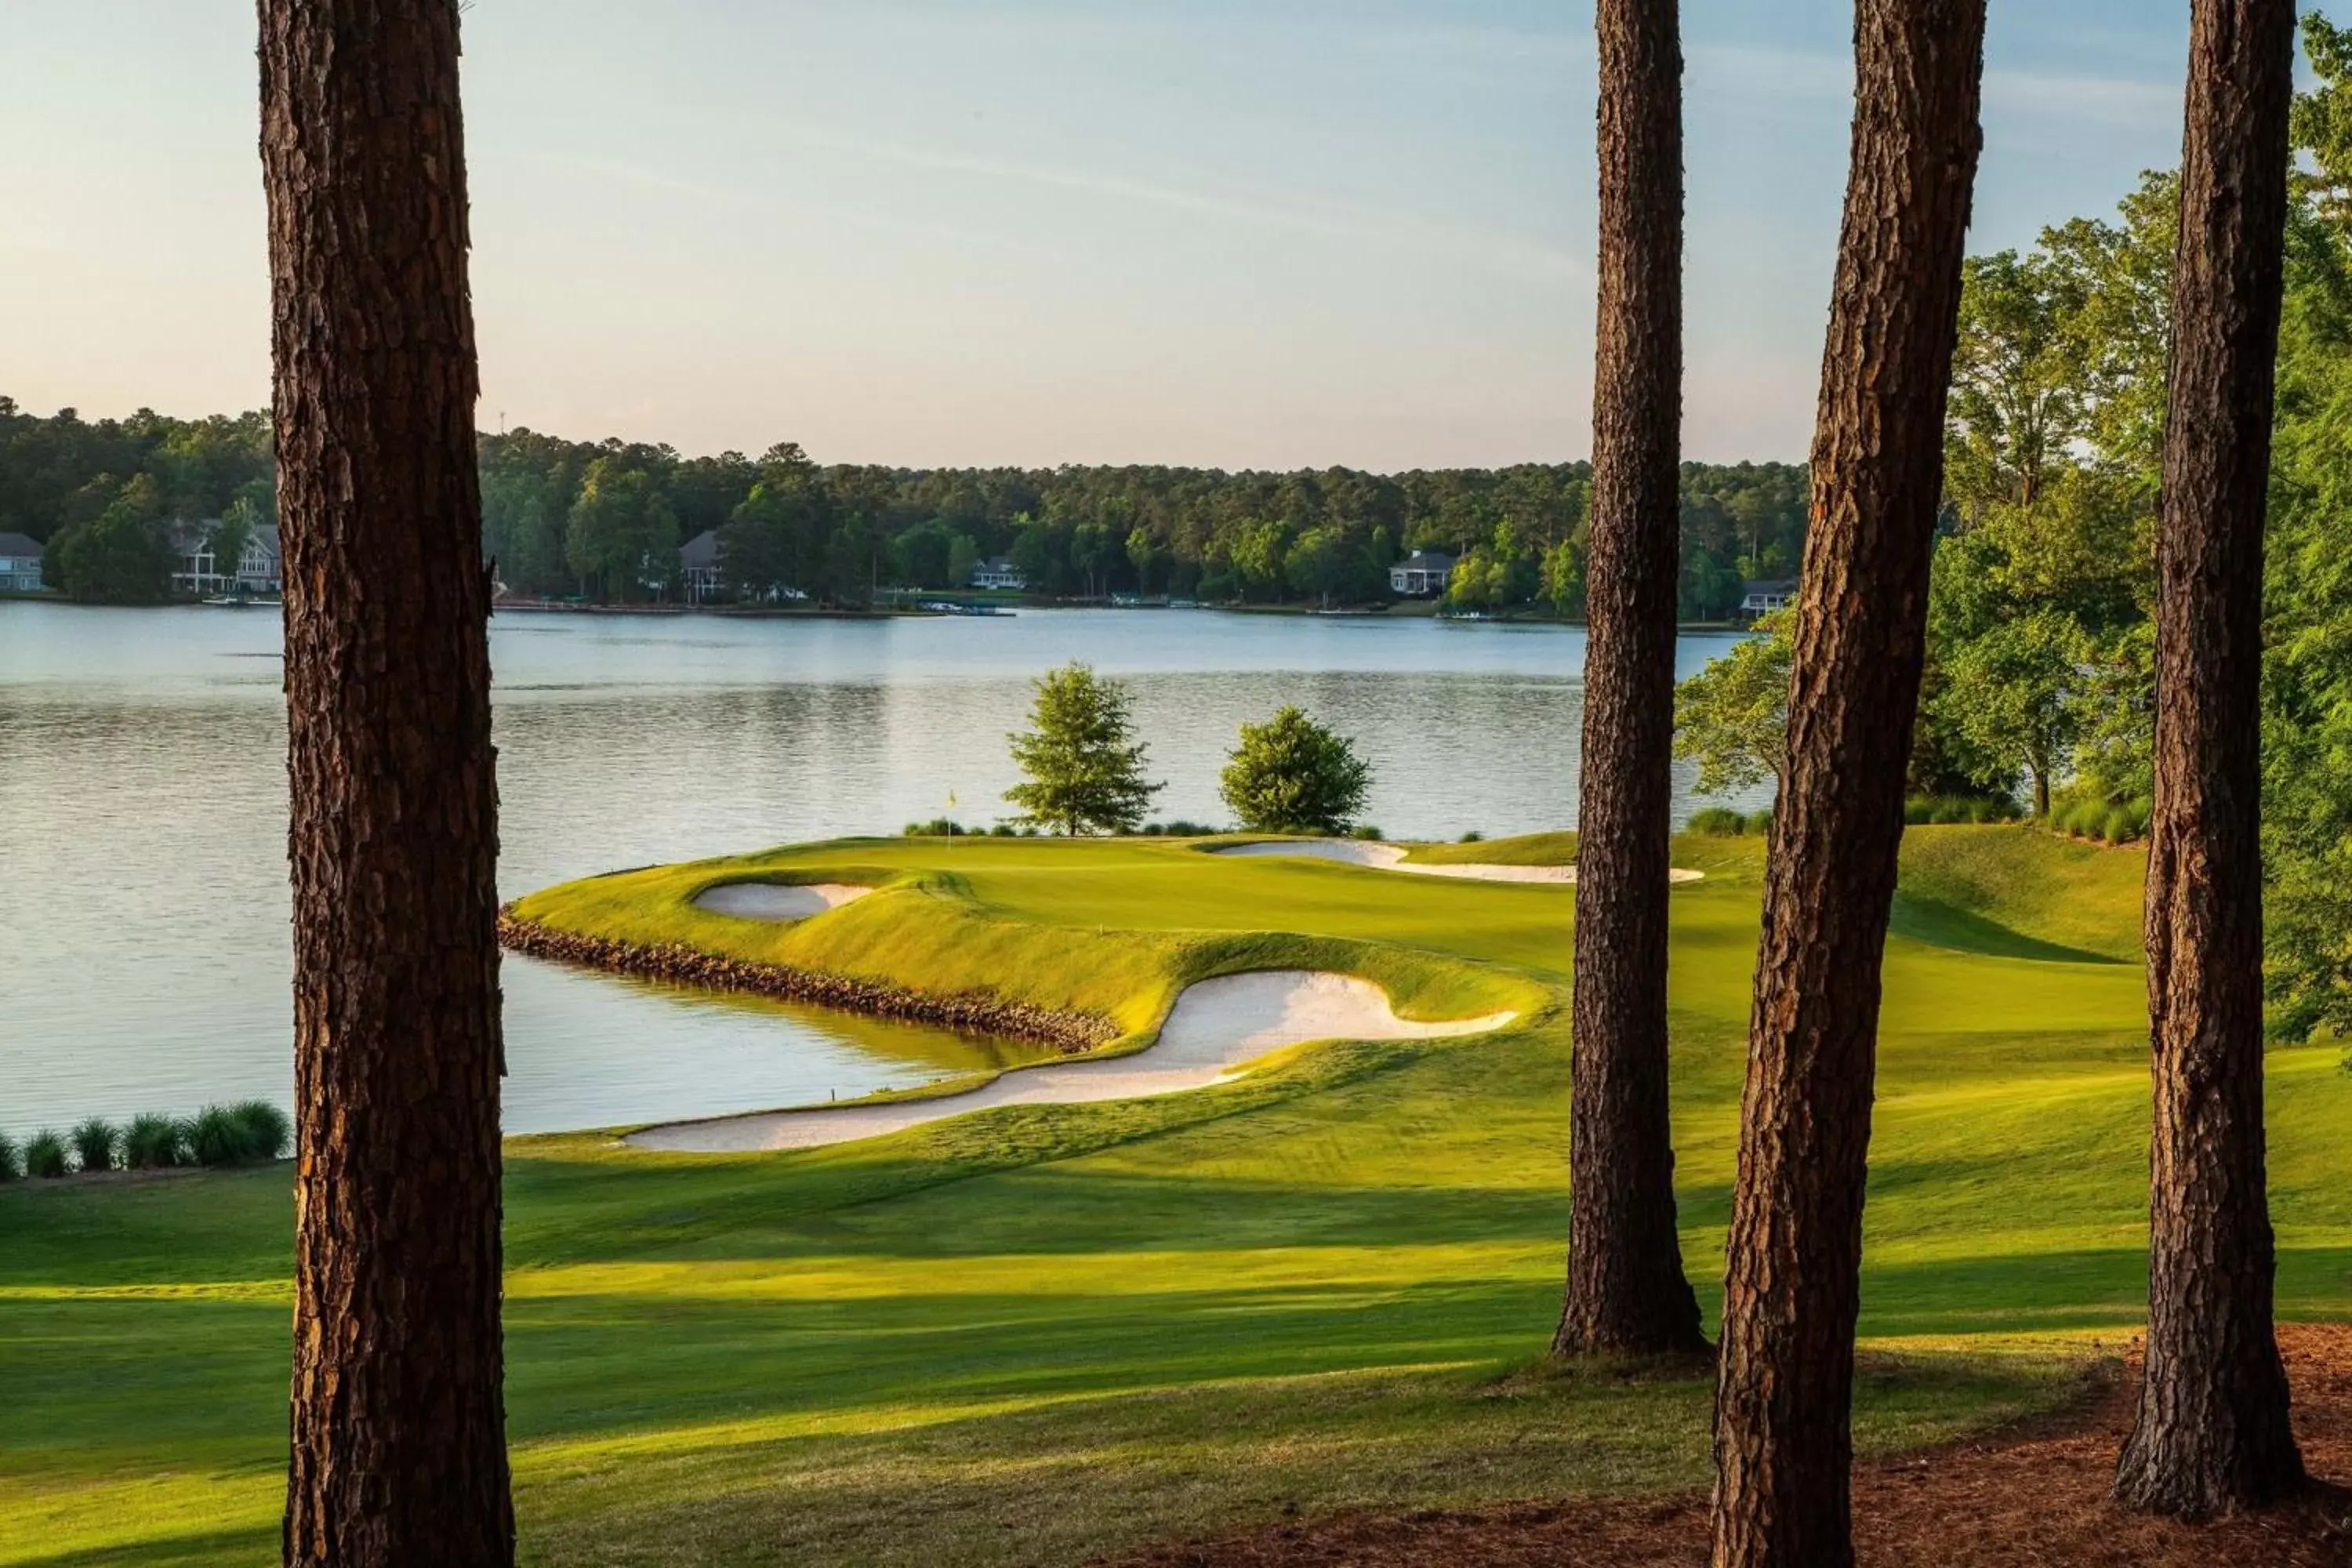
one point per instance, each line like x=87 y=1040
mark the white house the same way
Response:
x=1421 y=574
x=259 y=570
x=1761 y=597
x=998 y=572
x=198 y=570
x=698 y=561
x=20 y=565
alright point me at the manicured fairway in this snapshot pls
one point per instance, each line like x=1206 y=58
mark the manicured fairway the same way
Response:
x=1049 y=1332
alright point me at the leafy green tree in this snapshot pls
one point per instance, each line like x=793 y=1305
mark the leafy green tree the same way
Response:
x=245 y=518
x=964 y=559
x=2017 y=400
x=1563 y=577
x=2017 y=693
x=623 y=535
x=1732 y=717
x=1084 y=764
x=920 y=557
x=1323 y=565
x=121 y=556
x=1260 y=552
x=1145 y=559
x=1291 y=775
x=1035 y=552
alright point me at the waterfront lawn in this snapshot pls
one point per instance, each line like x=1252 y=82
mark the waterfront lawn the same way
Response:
x=1049 y=1332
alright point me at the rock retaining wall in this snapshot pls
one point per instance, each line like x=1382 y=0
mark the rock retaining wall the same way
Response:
x=974 y=1012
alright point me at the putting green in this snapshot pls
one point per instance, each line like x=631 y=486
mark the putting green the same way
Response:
x=1044 y=1332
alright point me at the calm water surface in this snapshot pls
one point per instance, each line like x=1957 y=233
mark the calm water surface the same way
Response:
x=144 y=954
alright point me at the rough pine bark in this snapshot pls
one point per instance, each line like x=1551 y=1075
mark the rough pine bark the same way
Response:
x=398 y=1429
x=1783 y=1444
x=2212 y=1434
x=1627 y=1293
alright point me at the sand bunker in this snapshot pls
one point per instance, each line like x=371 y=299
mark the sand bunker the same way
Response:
x=1216 y=1027
x=777 y=901
x=1390 y=858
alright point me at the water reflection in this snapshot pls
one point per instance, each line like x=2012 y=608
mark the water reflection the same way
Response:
x=145 y=958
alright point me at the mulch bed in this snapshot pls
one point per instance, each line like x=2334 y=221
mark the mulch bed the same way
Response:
x=2036 y=1497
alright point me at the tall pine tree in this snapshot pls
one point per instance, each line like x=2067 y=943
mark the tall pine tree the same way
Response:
x=398 y=1429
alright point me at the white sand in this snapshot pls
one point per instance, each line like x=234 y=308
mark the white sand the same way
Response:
x=777 y=901
x=1216 y=1028
x=1390 y=858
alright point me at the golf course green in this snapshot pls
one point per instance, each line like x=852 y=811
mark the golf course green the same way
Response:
x=1042 y=1332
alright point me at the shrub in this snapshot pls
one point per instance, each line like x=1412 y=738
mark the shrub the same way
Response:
x=247 y=1133
x=96 y=1143
x=1474 y=836
x=2109 y=821
x=1367 y=832
x=1153 y=829
x=1004 y=830
x=267 y=1129
x=1182 y=829
x=11 y=1162
x=1720 y=821
x=937 y=827
x=152 y=1143
x=1760 y=823
x=45 y=1155
x=1949 y=809
x=1291 y=775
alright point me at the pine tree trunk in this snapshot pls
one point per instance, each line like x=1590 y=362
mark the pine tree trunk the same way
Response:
x=1627 y=1293
x=399 y=1451
x=2212 y=1434
x=1783 y=1444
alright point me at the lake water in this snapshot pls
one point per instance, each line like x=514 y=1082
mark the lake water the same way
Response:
x=144 y=953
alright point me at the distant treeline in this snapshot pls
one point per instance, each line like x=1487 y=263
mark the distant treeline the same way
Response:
x=604 y=520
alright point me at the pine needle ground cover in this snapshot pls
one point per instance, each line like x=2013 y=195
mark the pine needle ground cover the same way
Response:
x=1047 y=1332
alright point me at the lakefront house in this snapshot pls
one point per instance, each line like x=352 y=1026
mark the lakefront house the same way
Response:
x=20 y=563
x=198 y=570
x=1421 y=574
x=698 y=569
x=998 y=572
x=1759 y=598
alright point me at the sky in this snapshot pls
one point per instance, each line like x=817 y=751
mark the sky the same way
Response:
x=1239 y=233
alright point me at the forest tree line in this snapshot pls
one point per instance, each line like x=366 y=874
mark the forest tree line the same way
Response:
x=603 y=520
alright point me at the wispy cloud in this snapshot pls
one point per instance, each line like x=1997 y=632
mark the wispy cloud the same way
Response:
x=1763 y=71
x=736 y=198
x=1298 y=212
x=2101 y=101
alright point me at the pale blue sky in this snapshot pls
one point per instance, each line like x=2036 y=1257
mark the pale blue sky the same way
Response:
x=1263 y=232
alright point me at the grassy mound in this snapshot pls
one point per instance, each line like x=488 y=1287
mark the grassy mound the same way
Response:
x=1041 y=1333
x=2017 y=890
x=1528 y=850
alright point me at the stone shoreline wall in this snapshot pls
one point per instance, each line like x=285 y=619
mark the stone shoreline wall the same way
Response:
x=973 y=1012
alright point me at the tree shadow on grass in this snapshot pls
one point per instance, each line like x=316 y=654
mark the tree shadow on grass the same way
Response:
x=1939 y=924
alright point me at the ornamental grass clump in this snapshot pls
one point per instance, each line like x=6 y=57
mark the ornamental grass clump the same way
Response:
x=96 y=1143
x=1718 y=821
x=244 y=1134
x=12 y=1159
x=267 y=1130
x=153 y=1142
x=45 y=1156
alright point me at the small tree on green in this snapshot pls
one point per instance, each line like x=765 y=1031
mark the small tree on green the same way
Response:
x=1290 y=774
x=1084 y=763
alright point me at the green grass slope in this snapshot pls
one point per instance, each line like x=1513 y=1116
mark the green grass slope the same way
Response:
x=1042 y=1332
